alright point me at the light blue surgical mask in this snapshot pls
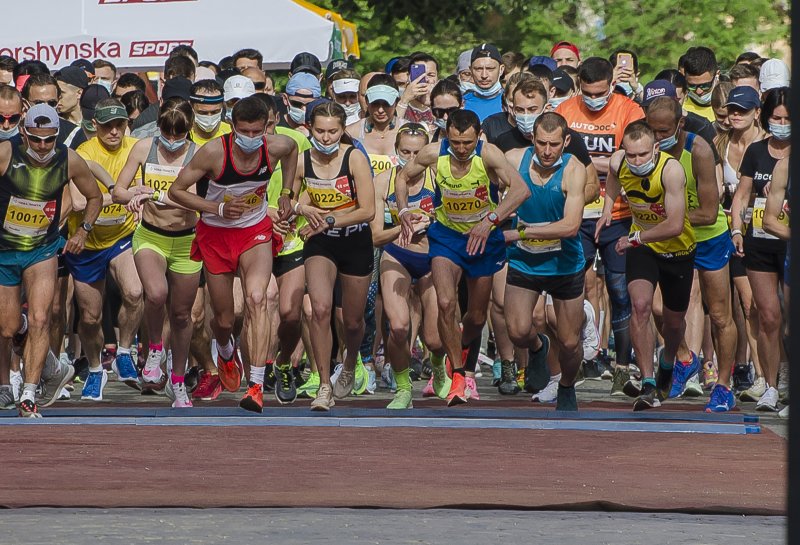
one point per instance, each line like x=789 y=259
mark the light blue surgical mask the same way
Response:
x=556 y=101
x=298 y=115
x=401 y=162
x=9 y=134
x=494 y=90
x=467 y=86
x=249 y=144
x=229 y=115
x=104 y=83
x=668 y=143
x=643 y=170
x=453 y=153
x=322 y=148
x=171 y=146
x=525 y=122
x=352 y=110
x=704 y=100
x=626 y=87
x=441 y=123
x=558 y=163
x=596 y=104
x=780 y=132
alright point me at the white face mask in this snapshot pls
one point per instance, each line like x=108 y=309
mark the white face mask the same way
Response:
x=208 y=122
x=298 y=115
x=41 y=158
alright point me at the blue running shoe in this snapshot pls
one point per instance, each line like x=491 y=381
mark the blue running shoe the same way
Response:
x=125 y=369
x=95 y=383
x=681 y=375
x=497 y=372
x=722 y=400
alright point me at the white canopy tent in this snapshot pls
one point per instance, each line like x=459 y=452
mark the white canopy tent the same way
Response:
x=141 y=33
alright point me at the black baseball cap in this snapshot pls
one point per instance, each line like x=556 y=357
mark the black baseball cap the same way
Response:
x=73 y=75
x=176 y=87
x=562 y=81
x=484 y=51
x=90 y=97
x=656 y=89
x=87 y=66
x=336 y=66
x=306 y=62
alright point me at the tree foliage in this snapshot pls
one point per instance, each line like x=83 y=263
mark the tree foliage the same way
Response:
x=659 y=31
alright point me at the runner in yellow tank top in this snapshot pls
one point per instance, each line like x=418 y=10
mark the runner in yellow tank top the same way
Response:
x=658 y=251
x=714 y=249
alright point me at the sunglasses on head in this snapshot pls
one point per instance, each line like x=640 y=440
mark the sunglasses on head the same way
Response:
x=52 y=103
x=12 y=119
x=441 y=112
x=43 y=139
x=413 y=129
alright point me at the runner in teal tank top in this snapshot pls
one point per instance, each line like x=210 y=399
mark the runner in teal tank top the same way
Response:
x=546 y=254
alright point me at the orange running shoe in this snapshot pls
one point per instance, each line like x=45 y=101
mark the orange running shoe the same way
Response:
x=457 y=395
x=253 y=399
x=230 y=372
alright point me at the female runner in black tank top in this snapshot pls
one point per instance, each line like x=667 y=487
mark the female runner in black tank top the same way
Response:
x=338 y=201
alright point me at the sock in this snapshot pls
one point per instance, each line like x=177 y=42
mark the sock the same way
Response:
x=123 y=350
x=156 y=347
x=257 y=375
x=28 y=392
x=95 y=369
x=459 y=371
x=651 y=381
x=556 y=378
x=403 y=379
x=225 y=350
x=177 y=379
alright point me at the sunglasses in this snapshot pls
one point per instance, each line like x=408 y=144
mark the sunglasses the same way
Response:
x=441 y=112
x=52 y=103
x=297 y=104
x=43 y=139
x=11 y=119
x=701 y=86
x=414 y=130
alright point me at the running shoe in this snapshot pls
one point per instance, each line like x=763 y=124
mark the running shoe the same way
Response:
x=693 y=387
x=566 y=399
x=768 y=401
x=508 y=379
x=181 y=396
x=28 y=409
x=521 y=378
x=152 y=372
x=372 y=382
x=208 y=388
x=721 y=400
x=471 y=389
x=230 y=371
x=428 y=391
x=648 y=399
x=442 y=381
x=710 y=375
x=457 y=394
x=253 y=399
x=743 y=376
x=755 y=392
x=401 y=400
x=590 y=336
x=7 y=397
x=64 y=395
x=784 y=413
x=387 y=377
x=549 y=393
x=285 y=388
x=94 y=386
x=620 y=378
x=343 y=385
x=125 y=369
x=81 y=366
x=537 y=374
x=324 y=400
x=497 y=372
x=592 y=370
x=16 y=384
x=53 y=384
x=192 y=378
x=309 y=387
x=360 y=377
x=270 y=377
x=681 y=373
x=107 y=355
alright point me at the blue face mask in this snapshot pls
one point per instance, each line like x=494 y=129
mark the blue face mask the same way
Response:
x=401 y=162
x=626 y=87
x=325 y=150
x=490 y=92
x=556 y=102
x=9 y=134
x=668 y=143
x=558 y=163
x=453 y=153
x=780 y=132
x=249 y=144
x=596 y=104
x=704 y=100
x=467 y=86
x=104 y=83
x=525 y=122
x=643 y=170
x=171 y=146
x=441 y=123
x=298 y=115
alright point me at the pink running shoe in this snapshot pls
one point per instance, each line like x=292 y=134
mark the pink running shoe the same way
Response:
x=428 y=391
x=471 y=389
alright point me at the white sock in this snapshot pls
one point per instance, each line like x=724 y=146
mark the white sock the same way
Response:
x=257 y=375
x=225 y=350
x=123 y=350
x=28 y=392
x=555 y=378
x=96 y=369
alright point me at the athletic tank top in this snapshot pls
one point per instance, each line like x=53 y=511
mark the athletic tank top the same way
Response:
x=646 y=200
x=160 y=177
x=545 y=205
x=231 y=184
x=331 y=194
x=421 y=203
x=720 y=225
x=30 y=199
x=378 y=162
x=463 y=202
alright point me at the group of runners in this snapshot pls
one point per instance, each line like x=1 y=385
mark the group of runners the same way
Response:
x=358 y=227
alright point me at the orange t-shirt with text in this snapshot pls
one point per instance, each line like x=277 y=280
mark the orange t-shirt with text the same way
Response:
x=602 y=131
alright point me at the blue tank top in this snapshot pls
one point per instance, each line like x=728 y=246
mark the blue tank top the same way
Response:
x=557 y=257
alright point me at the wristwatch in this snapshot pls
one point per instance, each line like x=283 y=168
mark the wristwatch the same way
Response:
x=493 y=218
x=331 y=221
x=87 y=227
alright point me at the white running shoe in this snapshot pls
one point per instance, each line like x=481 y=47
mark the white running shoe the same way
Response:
x=181 y=396
x=769 y=401
x=693 y=387
x=590 y=337
x=755 y=391
x=152 y=372
x=550 y=392
x=784 y=412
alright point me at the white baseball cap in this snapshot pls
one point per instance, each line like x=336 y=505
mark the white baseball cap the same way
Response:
x=238 y=87
x=774 y=73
